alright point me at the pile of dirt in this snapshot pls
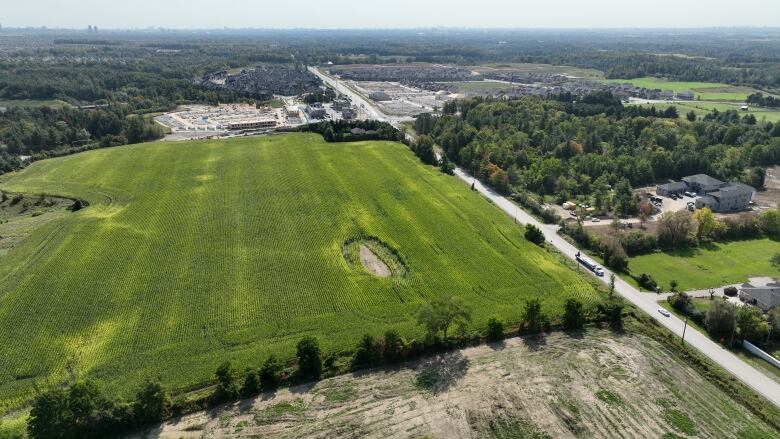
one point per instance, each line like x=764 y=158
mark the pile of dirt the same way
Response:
x=372 y=263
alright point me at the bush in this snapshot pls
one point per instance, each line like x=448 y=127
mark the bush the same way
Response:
x=730 y=291
x=251 y=384
x=152 y=403
x=573 y=315
x=227 y=388
x=309 y=360
x=270 y=374
x=392 y=346
x=638 y=242
x=367 y=352
x=534 y=234
x=495 y=329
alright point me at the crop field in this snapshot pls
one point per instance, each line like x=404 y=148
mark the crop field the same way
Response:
x=191 y=253
x=54 y=103
x=709 y=265
x=595 y=385
x=708 y=91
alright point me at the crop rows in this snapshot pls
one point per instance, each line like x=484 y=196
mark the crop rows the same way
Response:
x=194 y=252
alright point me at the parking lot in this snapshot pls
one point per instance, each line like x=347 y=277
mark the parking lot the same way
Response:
x=671 y=205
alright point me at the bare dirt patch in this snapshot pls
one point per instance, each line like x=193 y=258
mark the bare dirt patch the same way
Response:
x=769 y=197
x=372 y=263
x=595 y=384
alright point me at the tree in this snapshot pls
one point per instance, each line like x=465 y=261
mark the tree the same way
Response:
x=440 y=313
x=309 y=359
x=270 y=374
x=611 y=284
x=392 y=346
x=676 y=229
x=534 y=234
x=691 y=116
x=673 y=285
x=573 y=314
x=615 y=256
x=770 y=221
x=775 y=260
x=624 y=197
x=645 y=211
x=707 y=225
x=50 y=416
x=423 y=147
x=152 y=403
x=755 y=177
x=251 y=383
x=495 y=329
x=367 y=352
x=227 y=388
x=534 y=320
x=720 y=318
x=751 y=324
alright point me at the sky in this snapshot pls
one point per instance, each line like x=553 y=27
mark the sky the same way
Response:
x=329 y=14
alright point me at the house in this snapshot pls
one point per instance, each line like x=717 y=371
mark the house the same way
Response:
x=315 y=111
x=666 y=95
x=702 y=183
x=729 y=198
x=668 y=189
x=763 y=296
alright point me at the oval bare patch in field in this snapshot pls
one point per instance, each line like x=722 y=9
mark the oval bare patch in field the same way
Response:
x=372 y=263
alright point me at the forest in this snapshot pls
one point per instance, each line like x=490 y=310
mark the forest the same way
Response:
x=566 y=149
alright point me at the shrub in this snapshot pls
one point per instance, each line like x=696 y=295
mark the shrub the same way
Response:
x=392 y=346
x=227 y=388
x=270 y=374
x=534 y=234
x=251 y=383
x=309 y=360
x=638 y=242
x=495 y=329
x=534 y=321
x=152 y=403
x=730 y=291
x=647 y=282
x=573 y=315
x=367 y=352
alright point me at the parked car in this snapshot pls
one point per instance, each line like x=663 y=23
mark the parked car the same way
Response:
x=688 y=194
x=664 y=312
x=595 y=219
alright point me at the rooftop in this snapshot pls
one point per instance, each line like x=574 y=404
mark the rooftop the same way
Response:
x=703 y=179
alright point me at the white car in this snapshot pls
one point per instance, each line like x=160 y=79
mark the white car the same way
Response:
x=595 y=219
x=599 y=271
x=664 y=312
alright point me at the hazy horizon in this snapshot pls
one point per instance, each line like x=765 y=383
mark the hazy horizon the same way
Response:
x=399 y=14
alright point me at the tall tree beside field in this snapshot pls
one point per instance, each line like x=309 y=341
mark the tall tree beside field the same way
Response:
x=676 y=229
x=707 y=226
x=227 y=387
x=775 y=260
x=270 y=374
x=751 y=324
x=755 y=177
x=392 y=346
x=152 y=403
x=720 y=319
x=573 y=314
x=770 y=222
x=423 y=147
x=438 y=315
x=309 y=359
x=534 y=320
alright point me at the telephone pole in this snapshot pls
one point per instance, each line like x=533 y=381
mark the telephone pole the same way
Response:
x=682 y=340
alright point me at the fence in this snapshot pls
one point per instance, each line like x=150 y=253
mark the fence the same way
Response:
x=759 y=353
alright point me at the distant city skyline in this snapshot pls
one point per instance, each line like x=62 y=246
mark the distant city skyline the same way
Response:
x=338 y=14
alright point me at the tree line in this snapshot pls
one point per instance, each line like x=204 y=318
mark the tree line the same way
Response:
x=82 y=410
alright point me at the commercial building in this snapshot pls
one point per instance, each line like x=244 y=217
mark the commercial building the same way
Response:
x=712 y=193
x=252 y=124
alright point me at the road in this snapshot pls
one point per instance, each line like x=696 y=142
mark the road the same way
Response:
x=362 y=102
x=754 y=379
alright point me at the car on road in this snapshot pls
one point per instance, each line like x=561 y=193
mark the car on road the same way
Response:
x=689 y=194
x=599 y=271
x=595 y=219
x=664 y=312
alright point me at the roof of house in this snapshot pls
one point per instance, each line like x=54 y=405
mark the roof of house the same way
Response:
x=702 y=179
x=674 y=186
x=733 y=189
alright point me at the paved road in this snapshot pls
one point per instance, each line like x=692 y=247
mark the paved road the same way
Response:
x=754 y=379
x=747 y=374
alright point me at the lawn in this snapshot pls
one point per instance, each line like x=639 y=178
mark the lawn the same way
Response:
x=709 y=265
x=191 y=253
x=708 y=91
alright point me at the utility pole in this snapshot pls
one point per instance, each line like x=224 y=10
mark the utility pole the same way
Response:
x=684 y=328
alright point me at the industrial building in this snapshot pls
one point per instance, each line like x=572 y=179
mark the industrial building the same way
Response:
x=712 y=193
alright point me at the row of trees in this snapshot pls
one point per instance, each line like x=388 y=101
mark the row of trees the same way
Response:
x=81 y=410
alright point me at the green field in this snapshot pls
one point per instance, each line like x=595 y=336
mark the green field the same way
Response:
x=709 y=265
x=54 y=103
x=541 y=69
x=701 y=108
x=196 y=252
x=708 y=91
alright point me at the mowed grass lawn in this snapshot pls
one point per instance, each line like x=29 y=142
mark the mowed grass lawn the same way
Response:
x=702 y=108
x=710 y=265
x=193 y=253
x=708 y=91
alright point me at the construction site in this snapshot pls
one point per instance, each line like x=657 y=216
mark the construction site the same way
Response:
x=203 y=121
x=398 y=99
